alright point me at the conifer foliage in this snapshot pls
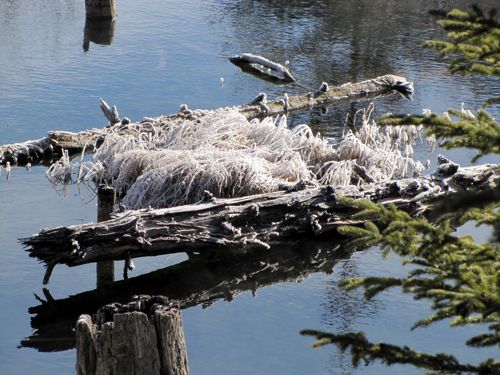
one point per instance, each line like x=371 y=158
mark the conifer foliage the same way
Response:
x=458 y=275
x=474 y=40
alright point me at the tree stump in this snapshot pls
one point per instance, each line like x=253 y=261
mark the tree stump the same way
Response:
x=102 y=9
x=144 y=336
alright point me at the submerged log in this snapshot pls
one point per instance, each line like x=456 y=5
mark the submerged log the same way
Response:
x=51 y=148
x=252 y=222
x=144 y=336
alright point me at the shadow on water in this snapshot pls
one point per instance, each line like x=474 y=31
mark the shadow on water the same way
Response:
x=198 y=281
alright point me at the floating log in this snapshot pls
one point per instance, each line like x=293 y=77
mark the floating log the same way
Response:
x=249 y=61
x=194 y=282
x=46 y=150
x=252 y=222
x=34 y=152
x=49 y=149
x=144 y=336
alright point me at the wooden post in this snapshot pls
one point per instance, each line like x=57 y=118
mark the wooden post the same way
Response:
x=144 y=336
x=104 y=9
x=105 y=202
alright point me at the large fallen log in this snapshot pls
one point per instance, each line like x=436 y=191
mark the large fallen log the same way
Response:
x=252 y=222
x=50 y=148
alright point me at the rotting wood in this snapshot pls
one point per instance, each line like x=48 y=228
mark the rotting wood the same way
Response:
x=194 y=282
x=48 y=149
x=252 y=222
x=144 y=336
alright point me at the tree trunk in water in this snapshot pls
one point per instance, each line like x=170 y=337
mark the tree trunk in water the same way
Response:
x=144 y=336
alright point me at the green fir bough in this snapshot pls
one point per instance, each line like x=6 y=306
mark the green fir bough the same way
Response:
x=458 y=275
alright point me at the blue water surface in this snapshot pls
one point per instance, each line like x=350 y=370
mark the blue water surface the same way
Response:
x=165 y=53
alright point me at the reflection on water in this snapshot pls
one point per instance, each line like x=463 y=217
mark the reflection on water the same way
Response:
x=157 y=56
x=99 y=32
x=200 y=281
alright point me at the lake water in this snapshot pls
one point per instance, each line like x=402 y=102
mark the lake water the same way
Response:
x=162 y=54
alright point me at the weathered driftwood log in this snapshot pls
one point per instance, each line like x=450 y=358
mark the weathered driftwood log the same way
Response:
x=45 y=150
x=257 y=221
x=193 y=282
x=50 y=148
x=258 y=63
x=144 y=336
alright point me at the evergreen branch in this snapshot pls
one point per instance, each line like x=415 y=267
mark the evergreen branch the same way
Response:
x=474 y=41
x=487 y=339
x=481 y=132
x=491 y=101
x=458 y=275
x=362 y=350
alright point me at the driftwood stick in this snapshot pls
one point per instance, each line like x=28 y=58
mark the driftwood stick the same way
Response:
x=144 y=336
x=257 y=221
x=50 y=148
x=249 y=59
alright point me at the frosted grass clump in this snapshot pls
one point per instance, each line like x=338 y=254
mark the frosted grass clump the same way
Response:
x=60 y=171
x=185 y=180
x=174 y=163
x=170 y=161
x=379 y=150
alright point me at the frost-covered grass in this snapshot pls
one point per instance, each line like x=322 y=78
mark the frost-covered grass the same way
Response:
x=168 y=163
